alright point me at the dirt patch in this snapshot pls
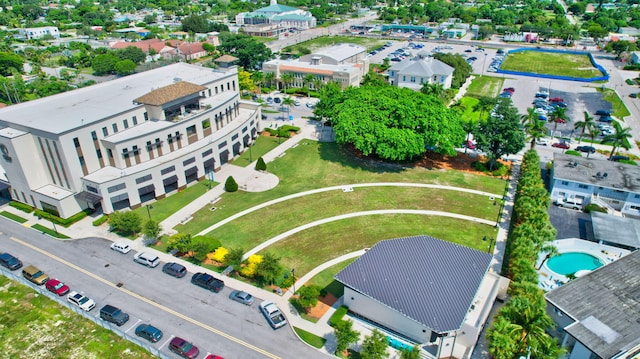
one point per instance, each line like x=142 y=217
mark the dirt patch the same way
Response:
x=460 y=162
x=324 y=303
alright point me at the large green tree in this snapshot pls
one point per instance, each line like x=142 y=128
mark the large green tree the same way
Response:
x=250 y=53
x=131 y=53
x=501 y=134
x=8 y=61
x=533 y=127
x=125 y=222
x=394 y=124
x=345 y=335
x=620 y=138
x=195 y=23
x=104 y=64
x=374 y=346
x=585 y=125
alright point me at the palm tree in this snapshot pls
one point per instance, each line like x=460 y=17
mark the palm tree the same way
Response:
x=618 y=139
x=594 y=131
x=308 y=81
x=485 y=104
x=288 y=101
x=287 y=79
x=269 y=77
x=558 y=115
x=533 y=127
x=258 y=77
x=584 y=125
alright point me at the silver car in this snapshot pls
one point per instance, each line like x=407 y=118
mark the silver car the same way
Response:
x=242 y=297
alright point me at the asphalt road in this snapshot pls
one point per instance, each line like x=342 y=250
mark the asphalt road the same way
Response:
x=211 y=321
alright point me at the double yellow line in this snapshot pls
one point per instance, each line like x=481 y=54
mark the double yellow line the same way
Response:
x=159 y=306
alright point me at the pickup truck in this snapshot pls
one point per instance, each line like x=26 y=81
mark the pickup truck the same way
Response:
x=274 y=316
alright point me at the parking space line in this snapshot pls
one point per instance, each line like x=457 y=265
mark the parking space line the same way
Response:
x=131 y=327
x=148 y=301
x=166 y=342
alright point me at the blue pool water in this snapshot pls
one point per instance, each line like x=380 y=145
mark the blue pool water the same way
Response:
x=571 y=262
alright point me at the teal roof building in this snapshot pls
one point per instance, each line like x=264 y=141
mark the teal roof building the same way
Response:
x=282 y=16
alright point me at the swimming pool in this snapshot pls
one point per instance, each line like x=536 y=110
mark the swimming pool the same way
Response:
x=571 y=262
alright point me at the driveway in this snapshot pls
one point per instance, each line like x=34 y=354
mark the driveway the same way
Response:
x=570 y=223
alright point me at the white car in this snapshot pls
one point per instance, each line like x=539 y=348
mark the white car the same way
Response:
x=122 y=247
x=543 y=142
x=83 y=302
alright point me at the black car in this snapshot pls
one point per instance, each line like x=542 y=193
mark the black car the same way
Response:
x=277 y=100
x=619 y=158
x=175 y=270
x=589 y=149
x=208 y=282
x=606 y=119
x=10 y=262
x=149 y=332
x=603 y=113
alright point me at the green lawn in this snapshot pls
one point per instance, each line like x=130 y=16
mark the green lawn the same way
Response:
x=163 y=208
x=308 y=249
x=13 y=217
x=309 y=338
x=324 y=41
x=619 y=110
x=466 y=104
x=262 y=145
x=49 y=231
x=485 y=86
x=33 y=326
x=314 y=165
x=325 y=279
x=551 y=64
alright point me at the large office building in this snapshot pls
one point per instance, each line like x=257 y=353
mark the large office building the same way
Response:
x=282 y=16
x=122 y=143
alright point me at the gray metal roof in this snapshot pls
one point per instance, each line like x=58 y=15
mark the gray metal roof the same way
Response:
x=431 y=281
x=606 y=306
x=422 y=67
x=616 y=230
x=619 y=176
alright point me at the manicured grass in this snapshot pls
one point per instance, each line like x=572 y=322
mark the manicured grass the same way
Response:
x=551 y=64
x=13 y=217
x=49 y=231
x=262 y=145
x=301 y=311
x=619 y=110
x=169 y=205
x=256 y=227
x=485 y=86
x=338 y=315
x=324 y=41
x=325 y=279
x=308 y=249
x=314 y=165
x=34 y=326
x=309 y=338
x=466 y=104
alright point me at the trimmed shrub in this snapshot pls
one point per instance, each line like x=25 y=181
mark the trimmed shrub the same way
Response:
x=21 y=206
x=218 y=255
x=100 y=221
x=573 y=153
x=249 y=269
x=260 y=165
x=592 y=207
x=338 y=315
x=629 y=162
x=65 y=222
x=230 y=185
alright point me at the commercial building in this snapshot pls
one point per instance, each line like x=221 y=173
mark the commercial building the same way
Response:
x=124 y=142
x=597 y=315
x=424 y=290
x=281 y=16
x=343 y=63
x=29 y=33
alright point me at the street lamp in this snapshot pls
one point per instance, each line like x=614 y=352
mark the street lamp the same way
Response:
x=294 y=279
x=149 y=208
x=490 y=243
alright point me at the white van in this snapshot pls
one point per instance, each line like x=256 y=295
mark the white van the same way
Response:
x=121 y=247
x=147 y=259
x=573 y=203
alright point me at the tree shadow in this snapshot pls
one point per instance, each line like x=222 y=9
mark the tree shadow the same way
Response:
x=347 y=156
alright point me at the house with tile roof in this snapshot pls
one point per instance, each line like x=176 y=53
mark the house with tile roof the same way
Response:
x=343 y=63
x=598 y=315
x=281 y=16
x=158 y=46
x=123 y=143
x=414 y=73
x=429 y=292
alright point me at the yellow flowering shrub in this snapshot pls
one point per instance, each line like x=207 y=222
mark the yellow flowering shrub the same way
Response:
x=249 y=269
x=218 y=255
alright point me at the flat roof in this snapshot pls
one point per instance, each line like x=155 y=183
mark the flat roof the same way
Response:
x=340 y=52
x=596 y=172
x=78 y=108
x=605 y=305
x=614 y=229
x=431 y=281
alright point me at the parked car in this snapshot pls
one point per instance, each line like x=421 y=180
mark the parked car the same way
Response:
x=273 y=315
x=122 y=247
x=149 y=332
x=606 y=119
x=468 y=50
x=207 y=281
x=633 y=95
x=212 y=356
x=559 y=120
x=35 y=275
x=10 y=262
x=241 y=297
x=602 y=112
x=556 y=99
x=542 y=118
x=509 y=89
x=573 y=203
x=562 y=145
x=617 y=158
x=183 y=348
x=277 y=100
x=147 y=259
x=83 y=302
x=543 y=142
x=57 y=287
x=175 y=270
x=114 y=315
x=560 y=104
x=589 y=149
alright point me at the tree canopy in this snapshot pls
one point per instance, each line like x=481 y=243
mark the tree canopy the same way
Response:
x=501 y=134
x=392 y=123
x=250 y=53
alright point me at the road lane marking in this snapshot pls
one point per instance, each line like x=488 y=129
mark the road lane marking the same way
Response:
x=148 y=301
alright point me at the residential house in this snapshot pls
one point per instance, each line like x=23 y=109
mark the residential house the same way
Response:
x=29 y=33
x=422 y=70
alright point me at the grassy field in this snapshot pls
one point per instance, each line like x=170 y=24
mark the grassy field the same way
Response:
x=308 y=249
x=485 y=86
x=619 y=110
x=324 y=41
x=33 y=326
x=325 y=279
x=13 y=217
x=466 y=104
x=167 y=206
x=324 y=165
x=551 y=64
x=309 y=338
x=262 y=145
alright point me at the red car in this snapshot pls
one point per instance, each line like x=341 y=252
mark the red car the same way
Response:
x=556 y=99
x=183 y=348
x=56 y=286
x=211 y=356
x=559 y=120
x=509 y=89
x=562 y=145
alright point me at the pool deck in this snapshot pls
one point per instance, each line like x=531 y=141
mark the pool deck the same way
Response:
x=549 y=280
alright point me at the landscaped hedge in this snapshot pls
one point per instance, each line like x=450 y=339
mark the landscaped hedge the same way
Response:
x=338 y=315
x=592 y=207
x=21 y=206
x=573 y=153
x=100 y=220
x=65 y=222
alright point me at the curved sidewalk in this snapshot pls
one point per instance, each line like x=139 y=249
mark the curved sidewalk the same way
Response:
x=342 y=187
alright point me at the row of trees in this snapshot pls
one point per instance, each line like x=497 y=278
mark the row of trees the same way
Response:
x=618 y=139
x=374 y=346
x=519 y=328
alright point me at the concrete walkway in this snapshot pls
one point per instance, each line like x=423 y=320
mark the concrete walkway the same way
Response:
x=288 y=233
